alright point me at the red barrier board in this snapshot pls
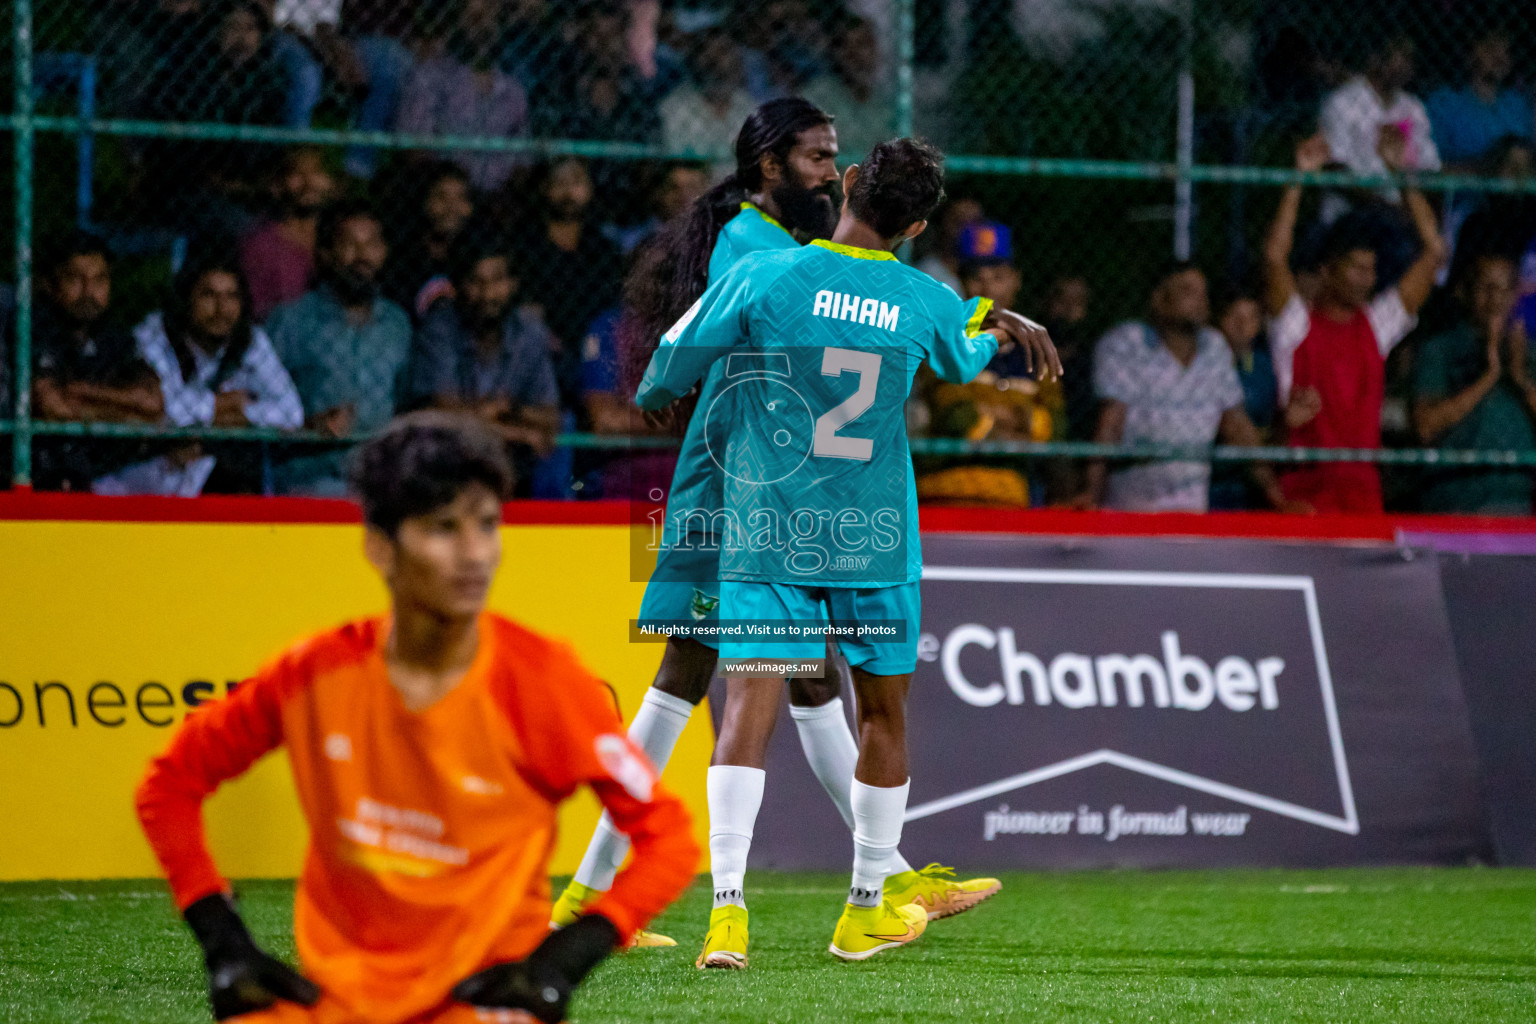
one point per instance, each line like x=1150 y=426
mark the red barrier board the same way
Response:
x=34 y=505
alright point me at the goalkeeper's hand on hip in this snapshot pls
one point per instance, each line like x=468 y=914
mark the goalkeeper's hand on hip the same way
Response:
x=543 y=983
x=241 y=978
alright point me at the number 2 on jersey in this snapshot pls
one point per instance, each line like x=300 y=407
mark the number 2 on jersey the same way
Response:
x=828 y=443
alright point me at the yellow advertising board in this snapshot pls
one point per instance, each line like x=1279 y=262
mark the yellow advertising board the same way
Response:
x=111 y=631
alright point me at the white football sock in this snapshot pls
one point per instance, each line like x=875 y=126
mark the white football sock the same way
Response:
x=735 y=796
x=655 y=730
x=877 y=816
x=832 y=753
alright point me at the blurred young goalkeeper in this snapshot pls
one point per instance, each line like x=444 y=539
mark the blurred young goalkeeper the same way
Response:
x=431 y=748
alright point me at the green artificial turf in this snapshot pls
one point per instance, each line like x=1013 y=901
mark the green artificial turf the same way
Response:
x=1400 y=945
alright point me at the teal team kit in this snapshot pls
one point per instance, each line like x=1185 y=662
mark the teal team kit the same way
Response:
x=685 y=585
x=796 y=473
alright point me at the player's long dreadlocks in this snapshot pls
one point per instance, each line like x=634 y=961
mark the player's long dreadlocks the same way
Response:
x=672 y=270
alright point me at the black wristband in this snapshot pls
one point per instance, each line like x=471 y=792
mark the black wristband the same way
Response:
x=574 y=950
x=217 y=925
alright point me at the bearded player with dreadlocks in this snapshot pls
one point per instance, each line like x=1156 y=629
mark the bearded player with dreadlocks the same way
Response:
x=783 y=193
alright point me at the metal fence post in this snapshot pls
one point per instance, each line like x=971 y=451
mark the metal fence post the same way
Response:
x=906 y=28
x=1184 y=156
x=24 y=138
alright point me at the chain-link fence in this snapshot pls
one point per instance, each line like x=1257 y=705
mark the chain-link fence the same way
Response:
x=250 y=230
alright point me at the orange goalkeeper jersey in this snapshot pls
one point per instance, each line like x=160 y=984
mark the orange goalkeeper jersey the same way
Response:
x=430 y=830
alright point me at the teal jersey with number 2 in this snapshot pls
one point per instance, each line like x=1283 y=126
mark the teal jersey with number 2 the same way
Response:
x=811 y=354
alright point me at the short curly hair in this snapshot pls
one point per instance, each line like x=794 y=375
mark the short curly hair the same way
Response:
x=900 y=183
x=423 y=461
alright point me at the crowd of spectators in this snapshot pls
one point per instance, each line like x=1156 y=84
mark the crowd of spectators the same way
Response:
x=1304 y=359
x=1326 y=346
x=331 y=290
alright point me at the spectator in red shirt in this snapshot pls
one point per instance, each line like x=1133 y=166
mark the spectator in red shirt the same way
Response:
x=1330 y=355
x=279 y=257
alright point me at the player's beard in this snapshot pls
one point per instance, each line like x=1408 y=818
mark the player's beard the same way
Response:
x=354 y=287
x=484 y=319
x=811 y=212
x=302 y=207
x=85 y=312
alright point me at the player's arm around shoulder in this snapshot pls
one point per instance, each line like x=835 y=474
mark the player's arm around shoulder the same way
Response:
x=1015 y=329
x=709 y=328
x=961 y=352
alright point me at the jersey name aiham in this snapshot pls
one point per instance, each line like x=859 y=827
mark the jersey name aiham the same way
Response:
x=843 y=306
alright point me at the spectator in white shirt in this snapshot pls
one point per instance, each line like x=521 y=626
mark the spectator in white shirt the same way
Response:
x=306 y=16
x=216 y=368
x=1359 y=120
x=1355 y=116
x=1170 y=379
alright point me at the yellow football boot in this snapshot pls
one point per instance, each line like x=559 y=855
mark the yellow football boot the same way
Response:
x=577 y=897
x=864 y=931
x=726 y=944
x=570 y=904
x=936 y=889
